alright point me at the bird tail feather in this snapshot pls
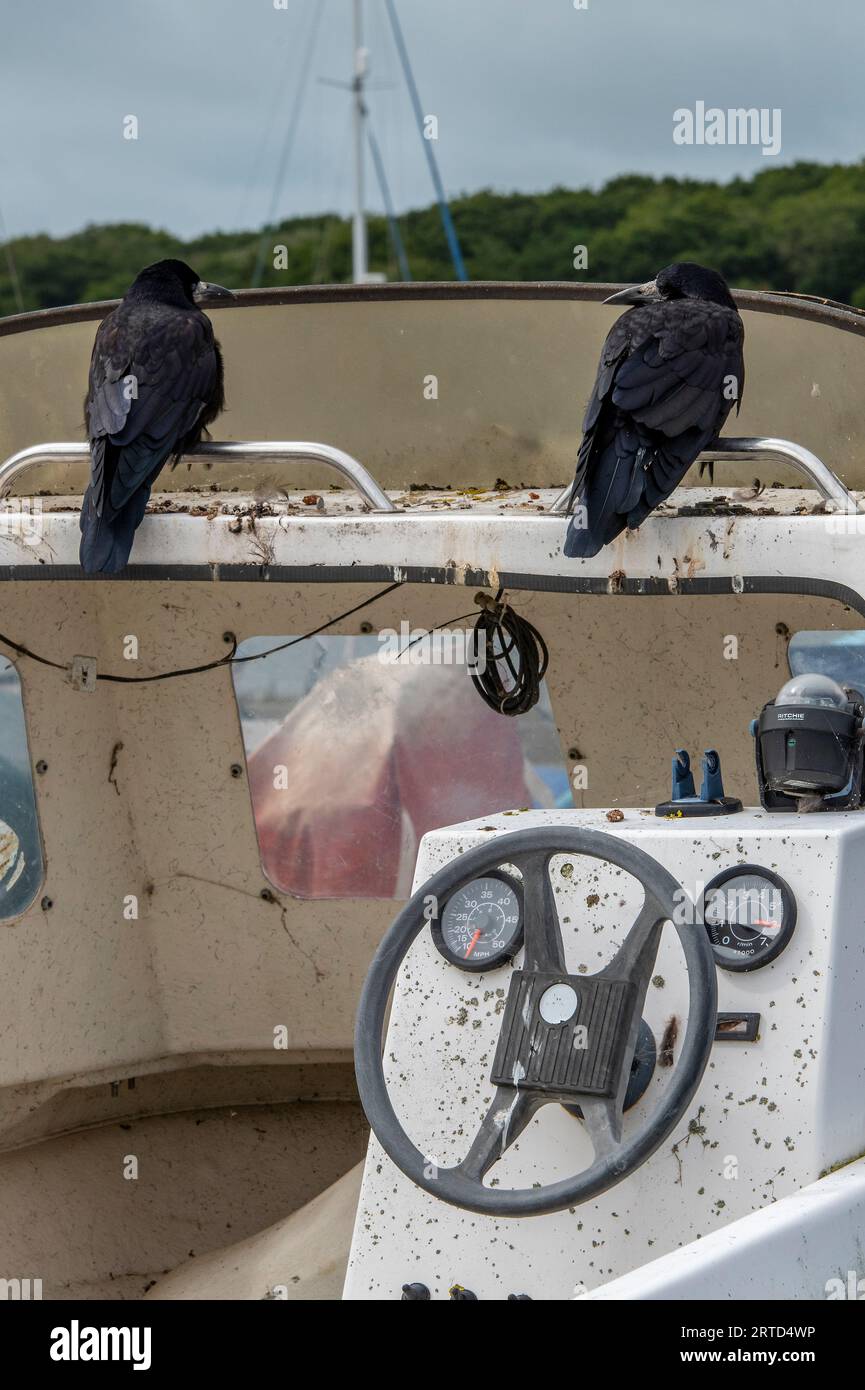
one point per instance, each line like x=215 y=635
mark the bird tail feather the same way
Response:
x=603 y=504
x=106 y=541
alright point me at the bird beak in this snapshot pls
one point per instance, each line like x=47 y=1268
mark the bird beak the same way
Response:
x=636 y=294
x=205 y=293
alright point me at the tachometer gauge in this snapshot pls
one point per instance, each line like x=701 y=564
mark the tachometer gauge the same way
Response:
x=481 y=925
x=749 y=913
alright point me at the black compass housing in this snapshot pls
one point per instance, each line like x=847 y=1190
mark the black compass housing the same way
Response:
x=808 y=749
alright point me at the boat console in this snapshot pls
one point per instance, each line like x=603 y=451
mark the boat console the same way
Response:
x=631 y=1085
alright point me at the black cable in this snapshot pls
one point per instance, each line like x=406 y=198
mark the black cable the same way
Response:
x=499 y=632
x=503 y=634
x=228 y=660
x=499 y=621
x=340 y=617
x=460 y=618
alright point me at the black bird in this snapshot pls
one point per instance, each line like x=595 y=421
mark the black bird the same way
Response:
x=156 y=383
x=671 y=371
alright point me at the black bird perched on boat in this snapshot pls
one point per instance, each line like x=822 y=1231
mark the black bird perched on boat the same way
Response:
x=671 y=371
x=156 y=383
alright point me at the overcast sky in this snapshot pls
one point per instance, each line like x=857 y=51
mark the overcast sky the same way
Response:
x=528 y=94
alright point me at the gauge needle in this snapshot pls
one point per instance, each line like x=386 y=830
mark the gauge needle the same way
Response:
x=761 y=922
x=473 y=943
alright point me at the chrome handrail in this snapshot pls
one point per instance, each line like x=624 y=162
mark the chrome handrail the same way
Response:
x=768 y=450
x=360 y=478
x=765 y=449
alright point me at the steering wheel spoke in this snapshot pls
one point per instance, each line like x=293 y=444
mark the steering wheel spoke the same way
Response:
x=635 y=958
x=603 y=1120
x=507 y=1117
x=543 y=936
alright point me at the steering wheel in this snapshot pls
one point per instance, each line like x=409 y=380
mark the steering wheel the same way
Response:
x=540 y=1056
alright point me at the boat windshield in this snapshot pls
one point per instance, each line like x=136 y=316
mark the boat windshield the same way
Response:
x=355 y=751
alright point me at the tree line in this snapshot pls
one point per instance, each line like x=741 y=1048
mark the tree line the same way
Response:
x=799 y=227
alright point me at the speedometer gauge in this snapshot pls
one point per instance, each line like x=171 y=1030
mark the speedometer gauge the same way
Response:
x=749 y=914
x=481 y=925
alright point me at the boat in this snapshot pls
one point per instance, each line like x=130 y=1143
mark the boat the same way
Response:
x=249 y=795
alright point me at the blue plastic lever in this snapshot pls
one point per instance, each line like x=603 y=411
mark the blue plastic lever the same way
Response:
x=712 y=788
x=683 y=777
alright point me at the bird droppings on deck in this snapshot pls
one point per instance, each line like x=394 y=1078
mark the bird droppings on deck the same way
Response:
x=212 y=501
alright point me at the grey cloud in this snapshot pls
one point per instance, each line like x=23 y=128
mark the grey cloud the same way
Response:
x=529 y=94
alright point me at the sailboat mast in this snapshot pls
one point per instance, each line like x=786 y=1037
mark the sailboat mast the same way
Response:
x=359 y=254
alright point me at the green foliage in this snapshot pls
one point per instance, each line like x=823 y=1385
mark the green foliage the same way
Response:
x=796 y=228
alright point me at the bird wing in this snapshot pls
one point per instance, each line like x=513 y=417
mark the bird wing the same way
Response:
x=665 y=367
x=673 y=378
x=152 y=374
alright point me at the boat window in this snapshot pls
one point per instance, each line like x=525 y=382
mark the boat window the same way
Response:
x=352 y=756
x=840 y=655
x=21 y=867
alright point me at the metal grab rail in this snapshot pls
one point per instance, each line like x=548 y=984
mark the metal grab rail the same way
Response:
x=769 y=450
x=360 y=478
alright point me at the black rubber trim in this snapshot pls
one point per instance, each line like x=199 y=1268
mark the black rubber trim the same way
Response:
x=792 y=305
x=444 y=577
